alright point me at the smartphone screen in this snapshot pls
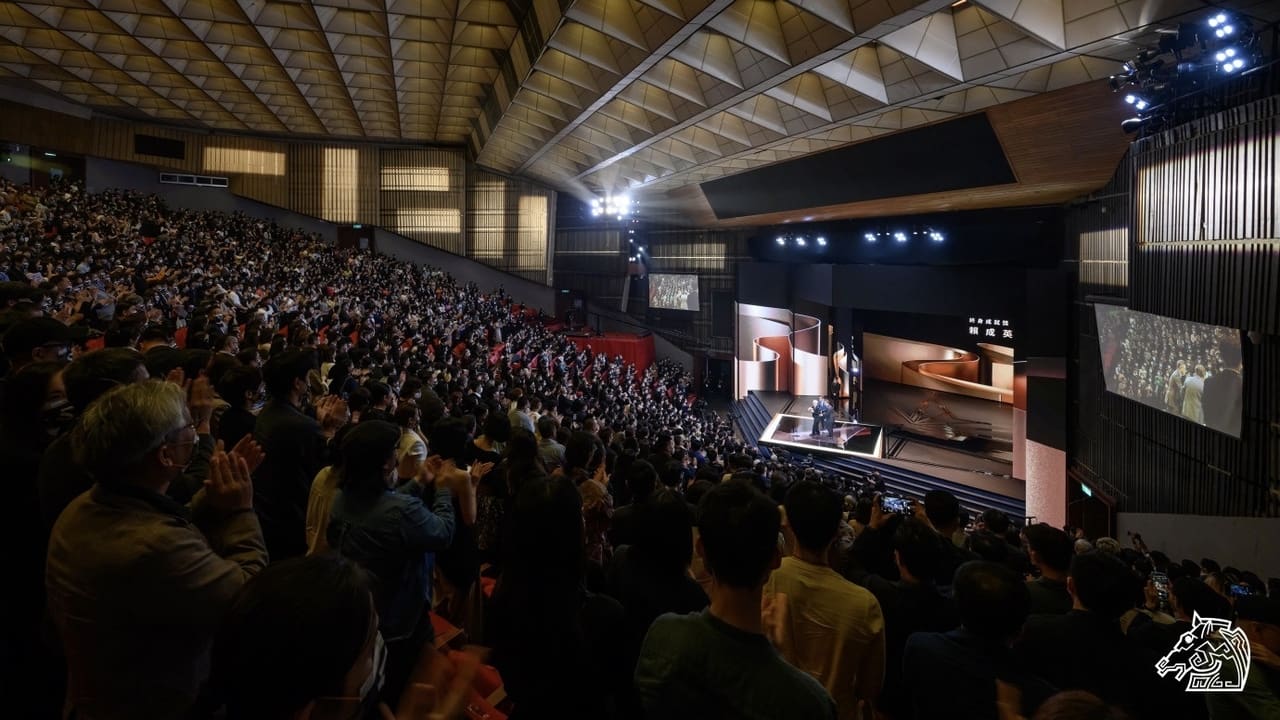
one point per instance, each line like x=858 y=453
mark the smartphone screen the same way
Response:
x=895 y=505
x=1161 y=583
x=1239 y=590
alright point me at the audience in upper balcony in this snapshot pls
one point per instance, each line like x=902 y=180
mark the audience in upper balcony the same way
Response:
x=430 y=444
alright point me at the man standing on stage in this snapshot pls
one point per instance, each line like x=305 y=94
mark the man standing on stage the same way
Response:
x=815 y=409
x=825 y=416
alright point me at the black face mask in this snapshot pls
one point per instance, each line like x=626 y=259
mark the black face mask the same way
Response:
x=57 y=416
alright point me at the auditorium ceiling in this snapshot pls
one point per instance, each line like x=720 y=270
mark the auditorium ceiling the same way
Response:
x=586 y=95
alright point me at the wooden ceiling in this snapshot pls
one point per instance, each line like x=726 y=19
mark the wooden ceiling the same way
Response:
x=1061 y=145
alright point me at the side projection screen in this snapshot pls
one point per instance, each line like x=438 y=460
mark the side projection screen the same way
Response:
x=1184 y=368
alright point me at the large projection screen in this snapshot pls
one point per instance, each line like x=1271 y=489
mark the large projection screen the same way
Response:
x=673 y=292
x=1184 y=368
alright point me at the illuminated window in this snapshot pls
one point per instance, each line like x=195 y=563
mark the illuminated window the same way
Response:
x=239 y=160
x=341 y=176
x=417 y=221
x=434 y=179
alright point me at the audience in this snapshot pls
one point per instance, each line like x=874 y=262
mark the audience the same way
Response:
x=424 y=440
x=301 y=639
x=1085 y=648
x=823 y=624
x=1049 y=551
x=560 y=648
x=138 y=583
x=719 y=662
x=953 y=674
x=392 y=531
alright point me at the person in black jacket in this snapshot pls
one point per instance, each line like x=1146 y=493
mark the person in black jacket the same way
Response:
x=296 y=446
x=910 y=604
x=1085 y=649
x=240 y=387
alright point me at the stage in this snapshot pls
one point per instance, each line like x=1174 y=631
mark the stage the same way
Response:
x=978 y=463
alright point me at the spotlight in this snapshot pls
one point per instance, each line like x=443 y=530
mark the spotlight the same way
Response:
x=1131 y=99
x=1238 y=63
x=800 y=240
x=781 y=240
x=1228 y=29
x=641 y=249
x=1141 y=104
x=822 y=242
x=900 y=236
x=1217 y=20
x=935 y=236
x=871 y=237
x=1133 y=125
x=1229 y=52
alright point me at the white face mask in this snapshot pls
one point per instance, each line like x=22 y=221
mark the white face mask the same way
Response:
x=372 y=684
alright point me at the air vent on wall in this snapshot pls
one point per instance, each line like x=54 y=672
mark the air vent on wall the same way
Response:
x=200 y=180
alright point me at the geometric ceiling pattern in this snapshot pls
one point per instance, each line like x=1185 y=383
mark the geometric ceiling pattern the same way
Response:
x=599 y=95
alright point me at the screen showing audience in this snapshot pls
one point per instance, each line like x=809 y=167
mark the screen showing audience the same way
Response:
x=1185 y=368
x=673 y=292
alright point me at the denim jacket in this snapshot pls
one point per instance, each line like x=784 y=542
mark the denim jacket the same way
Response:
x=394 y=536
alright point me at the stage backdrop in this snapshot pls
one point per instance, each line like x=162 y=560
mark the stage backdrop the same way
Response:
x=778 y=350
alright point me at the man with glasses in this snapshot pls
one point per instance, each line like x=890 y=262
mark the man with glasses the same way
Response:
x=137 y=583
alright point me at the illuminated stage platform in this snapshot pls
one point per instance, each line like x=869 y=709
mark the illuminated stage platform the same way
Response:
x=781 y=422
x=845 y=438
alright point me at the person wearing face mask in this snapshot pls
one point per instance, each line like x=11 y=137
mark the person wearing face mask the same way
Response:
x=297 y=444
x=242 y=388
x=136 y=582
x=393 y=529
x=301 y=641
x=37 y=339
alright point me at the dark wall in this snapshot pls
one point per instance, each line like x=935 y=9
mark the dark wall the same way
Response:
x=1206 y=261
x=951 y=155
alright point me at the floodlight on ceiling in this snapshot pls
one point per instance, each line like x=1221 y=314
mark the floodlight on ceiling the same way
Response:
x=616 y=206
x=780 y=240
x=900 y=236
x=822 y=241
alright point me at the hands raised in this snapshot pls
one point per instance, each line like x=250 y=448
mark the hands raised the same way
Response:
x=229 y=487
x=332 y=412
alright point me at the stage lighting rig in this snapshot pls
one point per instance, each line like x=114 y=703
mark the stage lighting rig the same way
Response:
x=1192 y=60
x=615 y=206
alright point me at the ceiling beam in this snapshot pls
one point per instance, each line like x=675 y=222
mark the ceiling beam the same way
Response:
x=656 y=55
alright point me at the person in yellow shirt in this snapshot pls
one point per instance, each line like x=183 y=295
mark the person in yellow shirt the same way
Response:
x=820 y=622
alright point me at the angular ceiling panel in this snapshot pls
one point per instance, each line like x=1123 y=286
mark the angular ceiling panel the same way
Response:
x=650 y=93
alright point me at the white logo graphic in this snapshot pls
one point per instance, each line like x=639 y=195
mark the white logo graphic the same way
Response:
x=1212 y=656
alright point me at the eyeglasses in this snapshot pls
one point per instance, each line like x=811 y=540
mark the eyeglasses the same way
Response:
x=175 y=431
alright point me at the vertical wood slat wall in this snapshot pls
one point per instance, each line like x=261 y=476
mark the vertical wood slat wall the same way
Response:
x=509 y=224
x=1198 y=231
x=422 y=195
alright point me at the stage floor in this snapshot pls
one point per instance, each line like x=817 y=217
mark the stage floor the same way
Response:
x=844 y=437
x=989 y=468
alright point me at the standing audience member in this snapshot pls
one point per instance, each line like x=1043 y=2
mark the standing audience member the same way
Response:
x=138 y=583
x=301 y=640
x=651 y=576
x=953 y=674
x=297 y=447
x=911 y=604
x=820 y=622
x=551 y=452
x=1049 y=550
x=240 y=387
x=719 y=662
x=559 y=647
x=393 y=532
x=1085 y=650
x=1259 y=617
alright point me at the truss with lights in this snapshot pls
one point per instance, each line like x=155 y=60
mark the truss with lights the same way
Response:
x=614 y=206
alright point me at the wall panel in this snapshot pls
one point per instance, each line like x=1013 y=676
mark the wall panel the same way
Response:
x=422 y=195
x=510 y=224
x=1186 y=229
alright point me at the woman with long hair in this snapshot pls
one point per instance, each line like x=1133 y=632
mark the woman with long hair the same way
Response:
x=558 y=646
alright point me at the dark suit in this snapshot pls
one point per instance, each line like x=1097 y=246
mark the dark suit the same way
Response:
x=295 y=453
x=234 y=424
x=1222 y=401
x=1084 y=651
x=953 y=675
